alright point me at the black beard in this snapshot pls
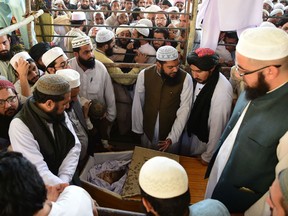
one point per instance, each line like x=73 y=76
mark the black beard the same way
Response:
x=136 y=44
x=84 y=29
x=5 y=56
x=261 y=89
x=122 y=45
x=84 y=7
x=57 y=118
x=109 y=52
x=169 y=80
x=90 y=63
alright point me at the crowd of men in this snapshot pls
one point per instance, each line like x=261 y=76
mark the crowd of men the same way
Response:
x=58 y=102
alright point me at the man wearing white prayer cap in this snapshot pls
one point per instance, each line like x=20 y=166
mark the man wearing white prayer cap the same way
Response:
x=162 y=102
x=165 y=191
x=78 y=20
x=278 y=195
x=95 y=82
x=27 y=73
x=77 y=116
x=268 y=5
x=55 y=59
x=105 y=41
x=140 y=33
x=253 y=146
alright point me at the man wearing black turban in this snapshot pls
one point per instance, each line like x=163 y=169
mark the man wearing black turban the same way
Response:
x=212 y=100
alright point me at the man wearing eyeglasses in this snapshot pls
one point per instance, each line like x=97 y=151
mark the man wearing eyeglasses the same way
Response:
x=253 y=147
x=9 y=106
x=55 y=59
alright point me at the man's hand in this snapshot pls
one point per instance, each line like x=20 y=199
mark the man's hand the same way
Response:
x=22 y=68
x=86 y=107
x=164 y=145
x=54 y=191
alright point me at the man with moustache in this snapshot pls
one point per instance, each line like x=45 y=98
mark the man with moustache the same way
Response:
x=95 y=82
x=212 y=102
x=9 y=106
x=27 y=73
x=253 y=147
x=43 y=133
x=85 y=5
x=6 y=54
x=162 y=102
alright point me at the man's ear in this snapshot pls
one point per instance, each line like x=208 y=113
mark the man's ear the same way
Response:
x=158 y=65
x=51 y=70
x=272 y=73
x=49 y=105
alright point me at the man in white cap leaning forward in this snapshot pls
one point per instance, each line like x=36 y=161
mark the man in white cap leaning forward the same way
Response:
x=43 y=133
x=165 y=191
x=95 y=82
x=54 y=59
x=253 y=146
x=162 y=102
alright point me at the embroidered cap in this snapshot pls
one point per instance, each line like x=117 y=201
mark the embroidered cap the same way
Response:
x=267 y=43
x=51 y=55
x=14 y=60
x=52 y=84
x=166 y=53
x=70 y=75
x=163 y=178
x=81 y=41
x=203 y=58
x=104 y=35
x=5 y=84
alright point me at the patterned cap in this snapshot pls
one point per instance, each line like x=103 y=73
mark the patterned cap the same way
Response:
x=81 y=41
x=166 y=53
x=52 y=84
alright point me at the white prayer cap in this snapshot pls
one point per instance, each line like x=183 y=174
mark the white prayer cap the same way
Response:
x=263 y=43
x=19 y=55
x=173 y=9
x=142 y=30
x=58 y=2
x=122 y=28
x=119 y=13
x=276 y=11
x=166 y=53
x=163 y=178
x=51 y=55
x=114 y=1
x=70 y=75
x=77 y=16
x=146 y=22
x=104 y=35
x=81 y=41
x=153 y=8
x=267 y=24
x=286 y=8
x=269 y=2
x=278 y=6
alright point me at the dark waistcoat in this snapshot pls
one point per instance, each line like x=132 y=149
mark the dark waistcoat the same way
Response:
x=161 y=96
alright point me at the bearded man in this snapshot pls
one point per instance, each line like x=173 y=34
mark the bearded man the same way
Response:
x=253 y=147
x=95 y=81
x=9 y=106
x=162 y=102
x=6 y=54
x=43 y=133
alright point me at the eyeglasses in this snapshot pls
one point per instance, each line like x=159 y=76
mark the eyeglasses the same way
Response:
x=11 y=99
x=243 y=72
